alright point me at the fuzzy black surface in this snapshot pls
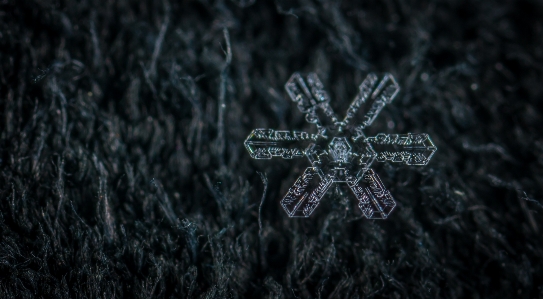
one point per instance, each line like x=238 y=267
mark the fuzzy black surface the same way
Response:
x=121 y=177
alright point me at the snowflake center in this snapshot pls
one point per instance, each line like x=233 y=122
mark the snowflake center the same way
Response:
x=339 y=150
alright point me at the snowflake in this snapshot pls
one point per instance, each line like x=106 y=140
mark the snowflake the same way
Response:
x=340 y=152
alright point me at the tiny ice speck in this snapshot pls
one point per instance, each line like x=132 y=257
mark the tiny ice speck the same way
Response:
x=340 y=152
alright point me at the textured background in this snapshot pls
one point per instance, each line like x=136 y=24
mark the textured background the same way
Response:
x=120 y=177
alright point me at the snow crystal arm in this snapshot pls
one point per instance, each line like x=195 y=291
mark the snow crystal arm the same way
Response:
x=305 y=195
x=309 y=94
x=268 y=143
x=411 y=149
x=377 y=96
x=365 y=91
x=374 y=199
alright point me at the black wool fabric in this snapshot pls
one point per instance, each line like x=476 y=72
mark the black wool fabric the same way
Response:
x=123 y=171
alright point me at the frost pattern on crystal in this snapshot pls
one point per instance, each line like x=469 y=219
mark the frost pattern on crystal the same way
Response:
x=340 y=152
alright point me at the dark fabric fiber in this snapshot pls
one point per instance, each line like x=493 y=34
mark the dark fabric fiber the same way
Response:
x=123 y=172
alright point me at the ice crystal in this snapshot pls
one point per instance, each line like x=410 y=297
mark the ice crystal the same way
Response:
x=340 y=152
